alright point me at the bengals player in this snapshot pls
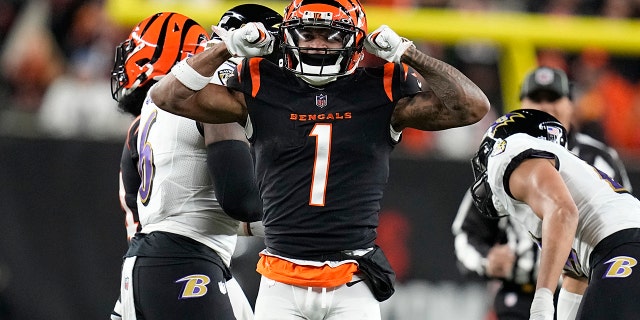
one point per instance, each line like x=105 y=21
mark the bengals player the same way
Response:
x=322 y=129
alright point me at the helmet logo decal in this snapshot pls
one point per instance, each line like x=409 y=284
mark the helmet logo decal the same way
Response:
x=503 y=121
x=321 y=100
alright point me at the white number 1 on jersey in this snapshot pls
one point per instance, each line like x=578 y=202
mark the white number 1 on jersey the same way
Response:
x=322 y=132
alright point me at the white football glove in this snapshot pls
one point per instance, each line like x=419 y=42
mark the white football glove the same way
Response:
x=250 y=40
x=542 y=305
x=386 y=44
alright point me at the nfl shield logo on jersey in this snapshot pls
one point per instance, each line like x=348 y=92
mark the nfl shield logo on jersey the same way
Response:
x=321 y=100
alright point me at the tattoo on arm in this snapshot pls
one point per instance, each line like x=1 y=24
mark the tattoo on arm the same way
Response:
x=458 y=101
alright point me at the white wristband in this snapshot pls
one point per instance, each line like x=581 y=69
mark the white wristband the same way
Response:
x=542 y=305
x=189 y=77
x=568 y=305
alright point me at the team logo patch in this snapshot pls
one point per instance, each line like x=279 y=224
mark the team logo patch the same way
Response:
x=499 y=147
x=321 y=100
x=224 y=75
x=195 y=286
x=544 y=77
x=126 y=283
x=620 y=267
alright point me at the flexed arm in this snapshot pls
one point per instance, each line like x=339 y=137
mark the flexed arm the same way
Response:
x=453 y=100
x=186 y=90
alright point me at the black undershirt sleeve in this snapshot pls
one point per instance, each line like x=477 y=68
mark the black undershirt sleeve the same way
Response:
x=231 y=169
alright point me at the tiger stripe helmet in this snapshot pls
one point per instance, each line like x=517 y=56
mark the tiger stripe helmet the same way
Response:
x=154 y=46
x=346 y=17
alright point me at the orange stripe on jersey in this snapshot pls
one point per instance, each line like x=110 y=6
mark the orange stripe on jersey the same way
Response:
x=238 y=71
x=254 y=69
x=406 y=70
x=288 y=272
x=388 y=77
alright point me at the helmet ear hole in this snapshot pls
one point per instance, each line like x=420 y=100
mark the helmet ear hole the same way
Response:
x=142 y=62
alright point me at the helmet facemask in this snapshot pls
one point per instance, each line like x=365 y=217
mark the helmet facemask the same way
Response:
x=481 y=192
x=121 y=85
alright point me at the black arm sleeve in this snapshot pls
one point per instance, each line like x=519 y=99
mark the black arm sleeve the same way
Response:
x=231 y=168
x=130 y=179
x=129 y=174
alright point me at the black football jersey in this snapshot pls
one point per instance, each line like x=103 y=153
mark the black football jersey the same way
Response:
x=322 y=154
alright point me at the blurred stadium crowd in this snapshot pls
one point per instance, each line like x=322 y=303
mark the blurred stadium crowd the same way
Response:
x=56 y=57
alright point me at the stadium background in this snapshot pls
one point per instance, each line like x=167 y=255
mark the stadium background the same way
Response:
x=61 y=229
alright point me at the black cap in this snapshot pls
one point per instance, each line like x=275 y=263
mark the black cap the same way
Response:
x=548 y=79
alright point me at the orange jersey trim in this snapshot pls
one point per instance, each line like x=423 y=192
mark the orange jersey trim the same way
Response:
x=406 y=70
x=254 y=69
x=388 y=78
x=288 y=272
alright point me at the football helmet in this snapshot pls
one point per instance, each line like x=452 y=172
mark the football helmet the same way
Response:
x=344 y=20
x=240 y=15
x=153 y=47
x=535 y=123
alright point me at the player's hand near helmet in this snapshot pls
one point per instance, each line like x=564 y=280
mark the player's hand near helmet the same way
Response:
x=542 y=305
x=250 y=40
x=386 y=44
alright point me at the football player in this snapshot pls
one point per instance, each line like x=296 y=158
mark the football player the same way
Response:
x=586 y=224
x=322 y=130
x=501 y=248
x=184 y=185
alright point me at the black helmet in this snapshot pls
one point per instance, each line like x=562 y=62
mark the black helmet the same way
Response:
x=240 y=15
x=535 y=123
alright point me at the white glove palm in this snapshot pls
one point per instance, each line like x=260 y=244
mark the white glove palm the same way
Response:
x=386 y=44
x=250 y=40
x=542 y=305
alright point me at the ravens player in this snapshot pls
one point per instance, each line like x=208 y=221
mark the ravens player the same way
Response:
x=182 y=223
x=502 y=249
x=322 y=130
x=585 y=223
